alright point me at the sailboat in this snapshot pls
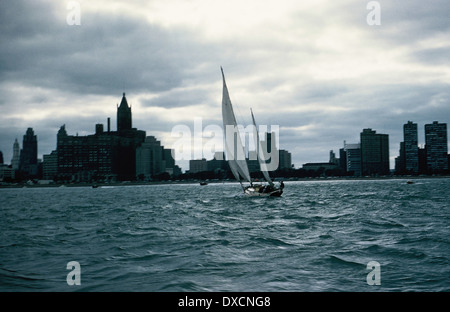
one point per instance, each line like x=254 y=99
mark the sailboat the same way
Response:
x=235 y=155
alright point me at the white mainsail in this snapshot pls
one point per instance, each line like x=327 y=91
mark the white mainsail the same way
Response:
x=260 y=152
x=234 y=149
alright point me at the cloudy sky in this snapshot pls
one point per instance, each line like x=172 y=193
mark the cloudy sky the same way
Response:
x=315 y=68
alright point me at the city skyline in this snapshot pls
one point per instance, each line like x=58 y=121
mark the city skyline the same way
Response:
x=371 y=152
x=318 y=70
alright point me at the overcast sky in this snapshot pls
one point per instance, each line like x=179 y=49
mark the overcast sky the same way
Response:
x=315 y=68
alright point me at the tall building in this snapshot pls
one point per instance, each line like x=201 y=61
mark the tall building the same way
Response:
x=50 y=166
x=400 y=167
x=171 y=168
x=28 y=155
x=374 y=153
x=15 y=161
x=105 y=156
x=353 y=156
x=343 y=159
x=150 y=159
x=436 y=146
x=422 y=161
x=285 y=160
x=333 y=158
x=411 y=147
x=1 y=158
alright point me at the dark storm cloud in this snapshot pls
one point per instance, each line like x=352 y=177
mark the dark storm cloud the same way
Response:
x=179 y=98
x=104 y=54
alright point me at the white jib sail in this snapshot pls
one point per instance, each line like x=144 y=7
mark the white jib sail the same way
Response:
x=260 y=152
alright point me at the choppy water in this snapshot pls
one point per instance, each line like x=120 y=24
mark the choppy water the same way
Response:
x=318 y=237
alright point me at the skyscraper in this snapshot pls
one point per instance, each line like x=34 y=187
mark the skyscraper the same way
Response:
x=15 y=161
x=374 y=152
x=28 y=155
x=436 y=147
x=285 y=160
x=149 y=158
x=400 y=160
x=411 y=148
x=50 y=166
x=353 y=158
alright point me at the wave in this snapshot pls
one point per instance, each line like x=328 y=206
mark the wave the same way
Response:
x=347 y=260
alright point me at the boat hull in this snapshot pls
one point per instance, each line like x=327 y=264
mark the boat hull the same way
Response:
x=252 y=191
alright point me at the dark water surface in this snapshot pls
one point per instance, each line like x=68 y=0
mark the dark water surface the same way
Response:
x=319 y=236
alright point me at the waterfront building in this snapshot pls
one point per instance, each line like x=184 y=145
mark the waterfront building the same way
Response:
x=103 y=156
x=285 y=160
x=28 y=164
x=374 y=153
x=150 y=159
x=353 y=158
x=343 y=159
x=436 y=146
x=410 y=148
x=400 y=167
x=15 y=161
x=50 y=166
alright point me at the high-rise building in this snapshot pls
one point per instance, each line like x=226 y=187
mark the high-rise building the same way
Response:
x=150 y=159
x=171 y=168
x=15 y=161
x=400 y=160
x=436 y=146
x=353 y=156
x=285 y=160
x=374 y=153
x=411 y=148
x=343 y=159
x=1 y=158
x=422 y=161
x=28 y=155
x=50 y=166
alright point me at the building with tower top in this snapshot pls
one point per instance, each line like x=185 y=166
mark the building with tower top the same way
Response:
x=102 y=156
x=28 y=163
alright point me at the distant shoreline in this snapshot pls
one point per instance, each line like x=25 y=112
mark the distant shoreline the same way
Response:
x=131 y=183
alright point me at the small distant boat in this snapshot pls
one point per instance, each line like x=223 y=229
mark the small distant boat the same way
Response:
x=234 y=147
x=410 y=182
x=203 y=183
x=94 y=186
